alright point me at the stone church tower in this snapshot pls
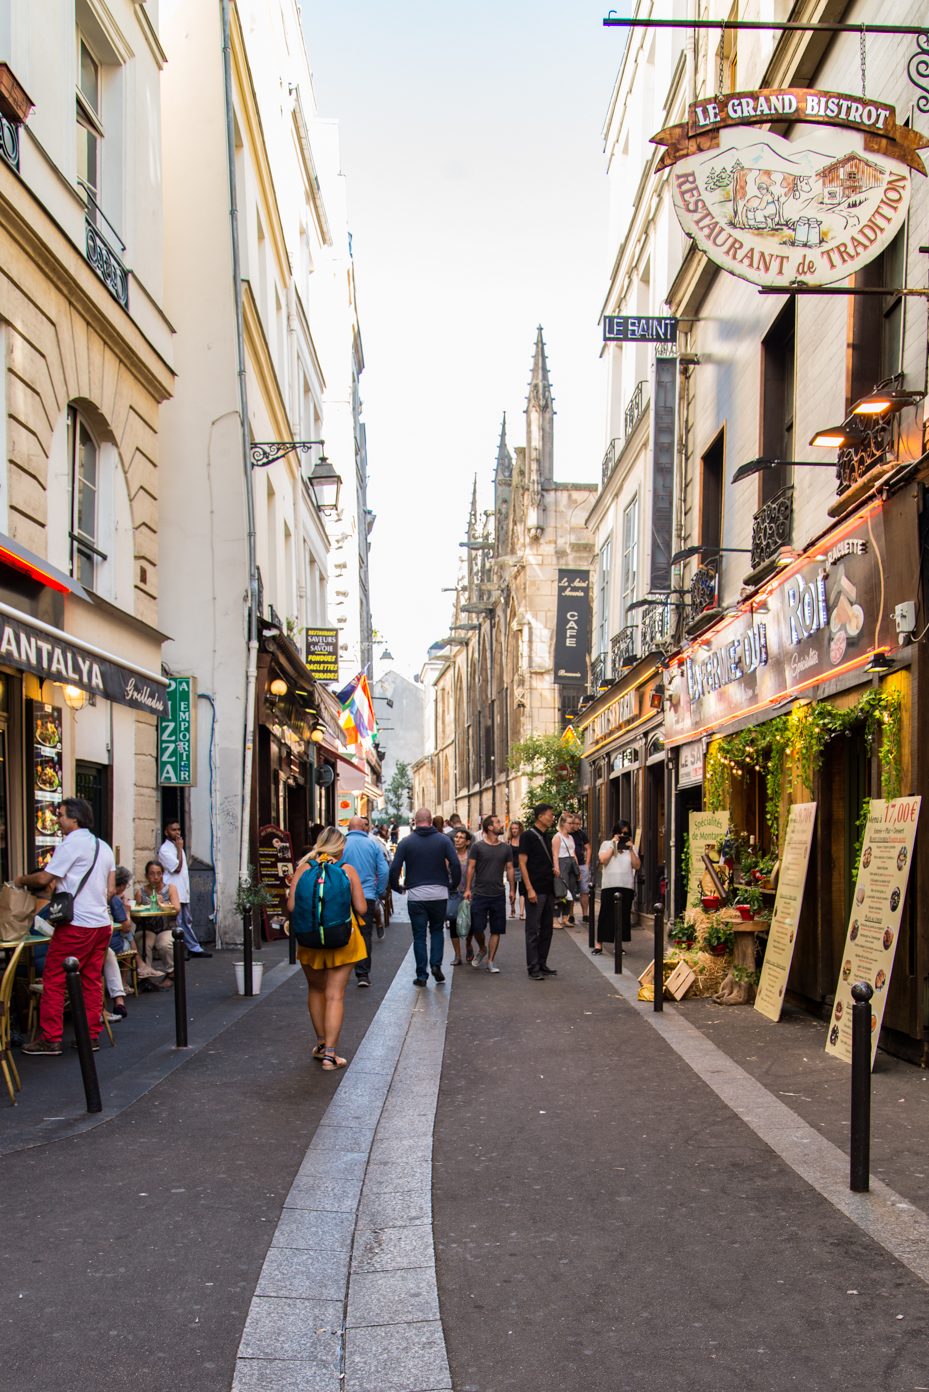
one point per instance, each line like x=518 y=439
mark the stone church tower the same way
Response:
x=496 y=685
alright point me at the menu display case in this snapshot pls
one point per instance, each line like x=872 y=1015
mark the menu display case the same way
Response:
x=46 y=782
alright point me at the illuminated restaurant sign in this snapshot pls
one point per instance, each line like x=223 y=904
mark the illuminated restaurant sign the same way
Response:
x=822 y=616
x=778 y=212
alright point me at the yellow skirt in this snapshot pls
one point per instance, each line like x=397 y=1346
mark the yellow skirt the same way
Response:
x=319 y=958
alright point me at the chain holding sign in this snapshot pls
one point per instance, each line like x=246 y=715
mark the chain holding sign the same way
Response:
x=778 y=212
x=177 y=734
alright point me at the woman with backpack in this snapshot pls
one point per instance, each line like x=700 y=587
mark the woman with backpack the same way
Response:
x=325 y=901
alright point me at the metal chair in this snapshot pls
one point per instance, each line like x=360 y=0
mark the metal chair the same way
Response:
x=6 y=1058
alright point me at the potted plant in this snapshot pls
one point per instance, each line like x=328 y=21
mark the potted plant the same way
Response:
x=683 y=934
x=710 y=902
x=719 y=939
x=749 y=902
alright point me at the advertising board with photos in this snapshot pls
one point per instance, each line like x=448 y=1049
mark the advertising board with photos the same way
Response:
x=874 y=923
x=819 y=618
x=275 y=870
x=47 y=783
x=788 y=902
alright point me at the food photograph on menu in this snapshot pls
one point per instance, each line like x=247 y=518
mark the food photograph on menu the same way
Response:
x=47 y=780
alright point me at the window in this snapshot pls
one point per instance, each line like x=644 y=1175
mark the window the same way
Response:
x=630 y=557
x=84 y=483
x=875 y=322
x=603 y=597
x=89 y=129
x=778 y=379
x=711 y=493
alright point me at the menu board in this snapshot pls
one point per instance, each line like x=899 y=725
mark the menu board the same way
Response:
x=322 y=653
x=47 y=786
x=795 y=859
x=706 y=829
x=275 y=869
x=874 y=926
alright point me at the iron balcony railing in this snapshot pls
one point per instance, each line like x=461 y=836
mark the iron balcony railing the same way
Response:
x=636 y=408
x=870 y=451
x=609 y=459
x=598 y=670
x=622 y=650
x=704 y=589
x=656 y=626
x=9 y=143
x=771 y=526
x=106 y=263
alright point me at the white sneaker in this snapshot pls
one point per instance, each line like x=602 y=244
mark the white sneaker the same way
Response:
x=491 y=968
x=479 y=959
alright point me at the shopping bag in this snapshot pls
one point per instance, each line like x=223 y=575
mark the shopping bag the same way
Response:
x=464 y=919
x=17 y=910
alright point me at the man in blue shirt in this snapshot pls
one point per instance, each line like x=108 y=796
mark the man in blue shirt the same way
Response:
x=367 y=856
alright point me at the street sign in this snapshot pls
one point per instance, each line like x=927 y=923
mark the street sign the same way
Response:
x=322 y=653
x=639 y=328
x=177 y=734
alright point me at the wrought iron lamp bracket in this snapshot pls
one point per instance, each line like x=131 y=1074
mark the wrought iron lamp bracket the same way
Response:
x=269 y=451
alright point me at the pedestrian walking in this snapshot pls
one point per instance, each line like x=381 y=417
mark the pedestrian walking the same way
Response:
x=452 y=825
x=565 y=858
x=366 y=855
x=321 y=878
x=582 y=849
x=517 y=899
x=173 y=860
x=456 y=896
x=82 y=866
x=537 y=867
x=620 y=862
x=394 y=834
x=431 y=867
x=490 y=862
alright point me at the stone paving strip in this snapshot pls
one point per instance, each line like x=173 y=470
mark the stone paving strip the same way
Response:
x=898 y=1226
x=347 y=1299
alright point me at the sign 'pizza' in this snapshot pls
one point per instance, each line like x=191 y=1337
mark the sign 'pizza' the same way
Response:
x=781 y=213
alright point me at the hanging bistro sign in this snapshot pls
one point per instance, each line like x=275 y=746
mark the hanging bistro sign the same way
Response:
x=52 y=656
x=572 y=627
x=823 y=615
x=782 y=212
x=177 y=734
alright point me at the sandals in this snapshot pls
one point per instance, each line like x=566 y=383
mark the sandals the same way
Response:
x=319 y=1050
x=331 y=1061
x=455 y=962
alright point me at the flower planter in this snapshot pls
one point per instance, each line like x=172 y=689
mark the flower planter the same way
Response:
x=710 y=902
x=746 y=912
x=719 y=950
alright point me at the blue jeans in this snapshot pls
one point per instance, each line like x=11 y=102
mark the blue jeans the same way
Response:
x=428 y=913
x=184 y=921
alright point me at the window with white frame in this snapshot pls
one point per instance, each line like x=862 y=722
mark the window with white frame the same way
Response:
x=630 y=557
x=84 y=482
x=603 y=596
x=89 y=127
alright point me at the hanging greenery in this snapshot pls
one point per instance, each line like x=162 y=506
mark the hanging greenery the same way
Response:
x=792 y=745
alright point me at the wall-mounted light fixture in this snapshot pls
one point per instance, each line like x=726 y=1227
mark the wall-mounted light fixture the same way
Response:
x=758 y=466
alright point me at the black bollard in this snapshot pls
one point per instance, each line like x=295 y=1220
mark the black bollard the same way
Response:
x=247 y=953
x=592 y=919
x=292 y=943
x=860 y=1146
x=180 y=990
x=82 y=1034
x=659 y=958
x=617 y=937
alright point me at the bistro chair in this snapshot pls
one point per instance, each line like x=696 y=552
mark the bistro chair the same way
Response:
x=35 y=997
x=6 y=1058
x=130 y=959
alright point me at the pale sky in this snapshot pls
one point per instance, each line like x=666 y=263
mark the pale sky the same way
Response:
x=471 y=142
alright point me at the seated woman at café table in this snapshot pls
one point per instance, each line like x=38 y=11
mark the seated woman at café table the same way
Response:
x=122 y=939
x=156 y=932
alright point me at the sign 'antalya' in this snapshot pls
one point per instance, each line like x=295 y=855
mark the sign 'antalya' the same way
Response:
x=778 y=212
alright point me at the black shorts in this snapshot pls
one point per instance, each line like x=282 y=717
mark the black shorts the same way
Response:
x=488 y=912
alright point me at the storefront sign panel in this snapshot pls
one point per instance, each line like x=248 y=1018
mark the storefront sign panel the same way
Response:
x=795 y=859
x=275 y=869
x=572 y=627
x=639 y=328
x=177 y=734
x=821 y=617
x=874 y=925
x=690 y=764
x=322 y=653
x=47 y=782
x=53 y=657
x=664 y=453
x=777 y=212
x=706 y=829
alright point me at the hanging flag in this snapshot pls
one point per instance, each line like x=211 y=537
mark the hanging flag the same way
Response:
x=357 y=718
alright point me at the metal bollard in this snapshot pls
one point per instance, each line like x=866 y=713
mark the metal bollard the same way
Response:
x=658 y=974
x=860 y=1144
x=82 y=1034
x=180 y=990
x=292 y=944
x=592 y=918
x=247 y=953
x=617 y=937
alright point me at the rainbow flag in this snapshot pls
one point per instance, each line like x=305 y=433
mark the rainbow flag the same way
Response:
x=357 y=719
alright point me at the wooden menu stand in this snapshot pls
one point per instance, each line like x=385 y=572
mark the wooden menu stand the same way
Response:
x=733 y=992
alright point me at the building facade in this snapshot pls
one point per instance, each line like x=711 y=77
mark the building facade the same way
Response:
x=87 y=358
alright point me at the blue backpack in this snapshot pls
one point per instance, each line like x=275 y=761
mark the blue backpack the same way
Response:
x=322 y=915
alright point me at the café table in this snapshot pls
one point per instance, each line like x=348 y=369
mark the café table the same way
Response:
x=140 y=913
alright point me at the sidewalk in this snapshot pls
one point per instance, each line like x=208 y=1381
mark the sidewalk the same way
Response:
x=604 y=1221
x=789 y=1059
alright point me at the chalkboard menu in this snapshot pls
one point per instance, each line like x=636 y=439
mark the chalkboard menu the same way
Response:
x=275 y=868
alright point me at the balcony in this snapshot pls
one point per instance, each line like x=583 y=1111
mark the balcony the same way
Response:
x=598 y=671
x=636 y=409
x=105 y=261
x=9 y=143
x=771 y=527
x=704 y=591
x=609 y=459
x=656 y=626
x=622 y=651
x=872 y=451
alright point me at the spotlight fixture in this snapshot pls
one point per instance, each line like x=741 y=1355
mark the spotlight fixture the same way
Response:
x=689 y=551
x=877 y=403
x=836 y=437
x=656 y=696
x=879 y=665
x=758 y=466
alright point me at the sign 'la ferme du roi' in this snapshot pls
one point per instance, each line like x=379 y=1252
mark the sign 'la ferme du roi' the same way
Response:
x=809 y=210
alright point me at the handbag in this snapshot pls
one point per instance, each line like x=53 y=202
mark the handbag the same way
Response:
x=17 y=911
x=559 y=888
x=61 y=904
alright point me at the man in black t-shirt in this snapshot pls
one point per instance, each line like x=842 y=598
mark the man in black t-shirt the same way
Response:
x=490 y=862
x=537 y=867
x=582 y=851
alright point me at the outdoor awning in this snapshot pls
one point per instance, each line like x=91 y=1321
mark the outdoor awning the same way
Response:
x=17 y=556
x=33 y=646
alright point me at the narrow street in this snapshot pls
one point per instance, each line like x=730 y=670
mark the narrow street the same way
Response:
x=597 y=1215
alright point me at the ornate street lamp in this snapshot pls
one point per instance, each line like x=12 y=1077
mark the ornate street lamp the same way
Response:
x=325 y=485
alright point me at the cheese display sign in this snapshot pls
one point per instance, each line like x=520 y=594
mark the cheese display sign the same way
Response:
x=781 y=213
x=874 y=926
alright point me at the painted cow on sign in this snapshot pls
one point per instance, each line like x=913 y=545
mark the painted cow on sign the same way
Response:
x=760 y=196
